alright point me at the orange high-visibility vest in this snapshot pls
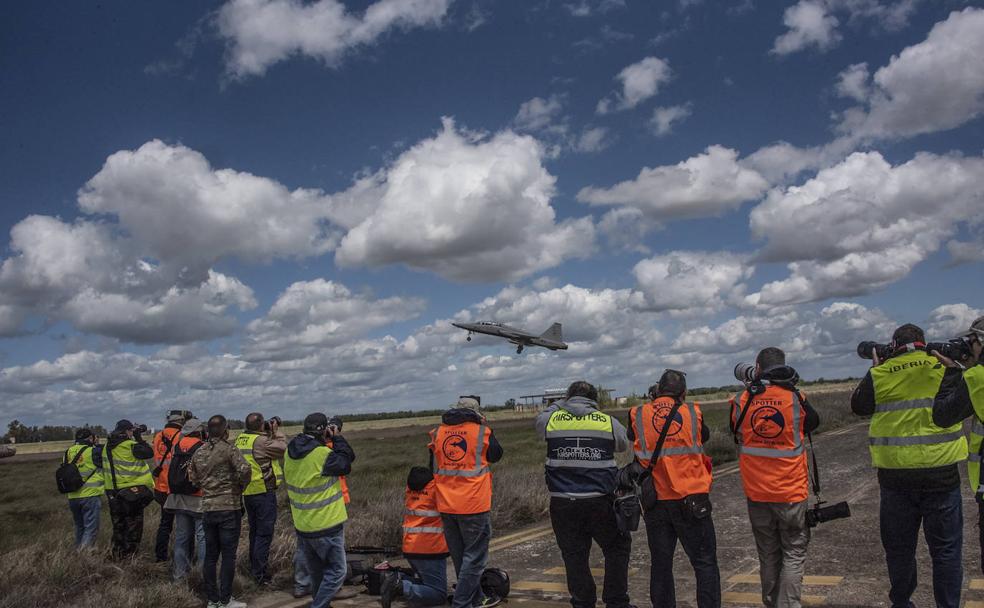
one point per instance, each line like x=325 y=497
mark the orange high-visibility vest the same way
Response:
x=771 y=446
x=679 y=470
x=423 y=530
x=160 y=484
x=461 y=471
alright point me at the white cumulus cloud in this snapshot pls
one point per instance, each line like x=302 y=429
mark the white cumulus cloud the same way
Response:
x=704 y=185
x=260 y=33
x=664 y=118
x=694 y=281
x=466 y=207
x=639 y=81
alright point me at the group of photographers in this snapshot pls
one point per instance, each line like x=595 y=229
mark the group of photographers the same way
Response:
x=916 y=393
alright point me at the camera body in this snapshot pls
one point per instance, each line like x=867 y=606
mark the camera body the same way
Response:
x=821 y=514
x=884 y=351
x=745 y=373
x=140 y=428
x=335 y=424
x=266 y=423
x=958 y=349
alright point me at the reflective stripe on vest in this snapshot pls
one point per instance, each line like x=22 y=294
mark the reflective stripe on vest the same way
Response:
x=902 y=434
x=315 y=500
x=679 y=470
x=129 y=473
x=580 y=460
x=257 y=485
x=974 y=378
x=423 y=529
x=771 y=451
x=479 y=469
x=93 y=478
x=461 y=472
x=646 y=451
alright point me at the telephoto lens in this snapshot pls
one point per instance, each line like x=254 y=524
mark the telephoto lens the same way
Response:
x=745 y=372
x=884 y=351
x=819 y=514
x=958 y=349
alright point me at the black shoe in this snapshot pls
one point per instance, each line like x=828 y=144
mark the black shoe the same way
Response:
x=389 y=588
x=299 y=593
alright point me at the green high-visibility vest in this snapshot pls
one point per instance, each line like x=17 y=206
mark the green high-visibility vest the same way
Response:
x=315 y=500
x=92 y=476
x=974 y=377
x=902 y=434
x=129 y=472
x=244 y=443
x=278 y=472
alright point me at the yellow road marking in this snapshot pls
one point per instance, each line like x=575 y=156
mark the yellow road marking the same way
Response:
x=807 y=580
x=977 y=583
x=540 y=586
x=509 y=537
x=755 y=599
x=518 y=541
x=974 y=604
x=560 y=571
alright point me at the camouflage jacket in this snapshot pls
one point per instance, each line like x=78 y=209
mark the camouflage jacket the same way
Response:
x=222 y=473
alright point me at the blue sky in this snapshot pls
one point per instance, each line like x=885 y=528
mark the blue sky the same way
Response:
x=281 y=205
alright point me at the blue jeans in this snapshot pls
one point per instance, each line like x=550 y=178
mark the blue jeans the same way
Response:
x=324 y=557
x=85 y=512
x=221 y=539
x=468 y=542
x=261 y=511
x=941 y=517
x=189 y=531
x=432 y=588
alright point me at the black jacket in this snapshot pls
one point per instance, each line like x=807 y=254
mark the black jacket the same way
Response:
x=936 y=479
x=952 y=403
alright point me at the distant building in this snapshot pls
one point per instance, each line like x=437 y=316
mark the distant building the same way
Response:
x=535 y=403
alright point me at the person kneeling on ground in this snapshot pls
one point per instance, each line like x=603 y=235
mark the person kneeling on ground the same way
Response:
x=423 y=546
x=311 y=472
x=222 y=473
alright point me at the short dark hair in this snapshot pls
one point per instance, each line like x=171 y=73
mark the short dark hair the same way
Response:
x=584 y=389
x=254 y=421
x=770 y=357
x=217 y=426
x=907 y=334
x=672 y=384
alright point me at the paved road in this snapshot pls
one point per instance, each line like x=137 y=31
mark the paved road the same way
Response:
x=845 y=565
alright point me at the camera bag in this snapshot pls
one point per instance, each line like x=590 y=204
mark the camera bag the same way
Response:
x=177 y=473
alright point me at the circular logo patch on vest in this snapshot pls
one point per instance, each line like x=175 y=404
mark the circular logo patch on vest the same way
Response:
x=768 y=422
x=455 y=448
x=660 y=414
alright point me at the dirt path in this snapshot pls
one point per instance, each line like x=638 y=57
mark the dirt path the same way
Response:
x=846 y=565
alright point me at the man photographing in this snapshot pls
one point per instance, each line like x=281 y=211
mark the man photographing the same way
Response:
x=917 y=465
x=262 y=444
x=770 y=420
x=961 y=396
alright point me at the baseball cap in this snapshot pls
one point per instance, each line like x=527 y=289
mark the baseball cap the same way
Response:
x=976 y=329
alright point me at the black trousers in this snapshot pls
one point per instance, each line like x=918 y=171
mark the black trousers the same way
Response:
x=576 y=523
x=128 y=522
x=669 y=522
x=164 y=528
x=221 y=539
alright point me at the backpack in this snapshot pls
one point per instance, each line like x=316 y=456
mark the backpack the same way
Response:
x=67 y=475
x=177 y=473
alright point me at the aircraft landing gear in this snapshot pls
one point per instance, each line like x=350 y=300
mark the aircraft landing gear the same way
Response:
x=519 y=349
x=468 y=339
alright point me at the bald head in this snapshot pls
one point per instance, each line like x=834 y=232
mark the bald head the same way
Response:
x=254 y=422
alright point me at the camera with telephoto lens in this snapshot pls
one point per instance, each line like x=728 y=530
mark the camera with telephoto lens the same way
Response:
x=820 y=514
x=884 y=351
x=745 y=372
x=266 y=423
x=335 y=423
x=140 y=428
x=958 y=349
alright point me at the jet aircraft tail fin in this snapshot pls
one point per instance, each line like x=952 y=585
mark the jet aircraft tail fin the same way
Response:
x=554 y=333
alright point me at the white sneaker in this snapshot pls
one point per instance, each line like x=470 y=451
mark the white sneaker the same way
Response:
x=234 y=603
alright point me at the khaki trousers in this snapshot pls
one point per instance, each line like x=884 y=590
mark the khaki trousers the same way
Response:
x=781 y=537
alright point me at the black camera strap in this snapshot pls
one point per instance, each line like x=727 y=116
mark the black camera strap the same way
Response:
x=815 y=477
x=661 y=439
x=736 y=425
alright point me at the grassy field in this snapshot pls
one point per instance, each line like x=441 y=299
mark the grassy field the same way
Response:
x=39 y=568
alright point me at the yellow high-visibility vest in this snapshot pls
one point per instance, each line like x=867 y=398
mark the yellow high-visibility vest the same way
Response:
x=315 y=500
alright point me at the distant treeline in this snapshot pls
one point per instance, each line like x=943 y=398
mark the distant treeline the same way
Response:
x=22 y=433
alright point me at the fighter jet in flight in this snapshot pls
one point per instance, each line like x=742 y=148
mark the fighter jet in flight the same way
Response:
x=552 y=338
